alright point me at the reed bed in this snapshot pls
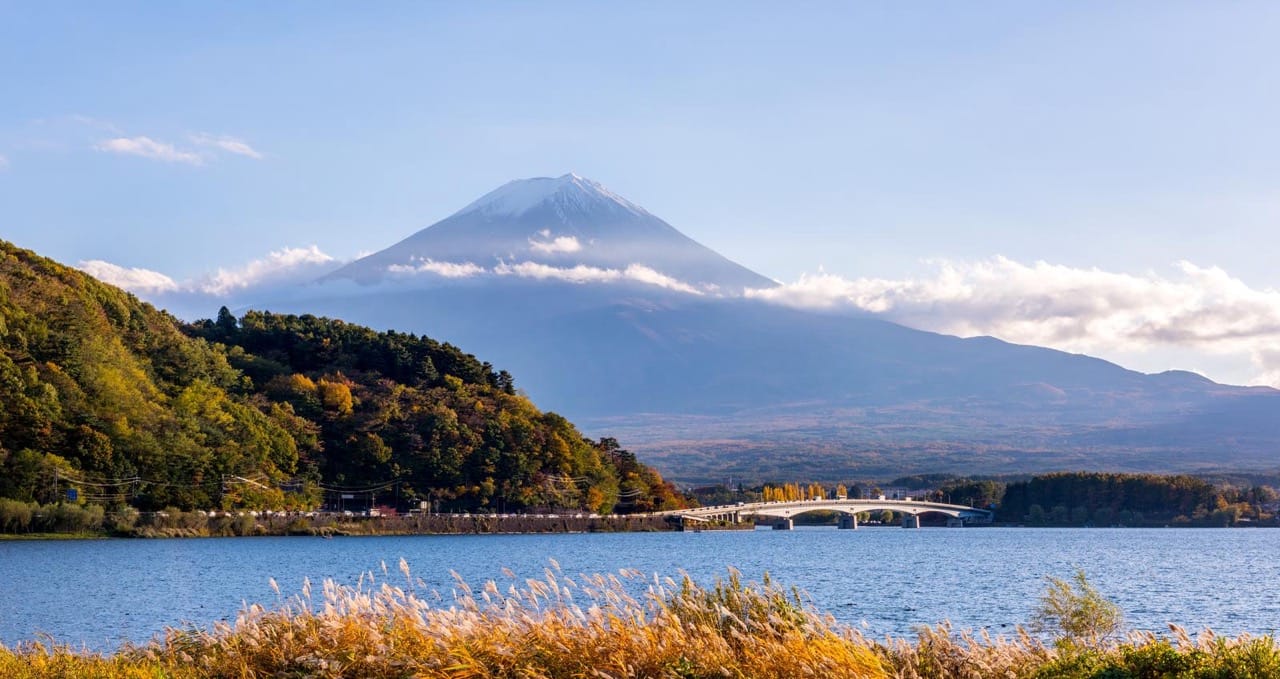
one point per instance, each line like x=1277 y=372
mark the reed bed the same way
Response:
x=616 y=625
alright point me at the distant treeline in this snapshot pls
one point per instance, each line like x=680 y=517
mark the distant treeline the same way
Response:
x=1110 y=499
x=1134 y=499
x=1061 y=499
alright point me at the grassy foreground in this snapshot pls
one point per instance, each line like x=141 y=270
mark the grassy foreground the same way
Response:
x=600 y=626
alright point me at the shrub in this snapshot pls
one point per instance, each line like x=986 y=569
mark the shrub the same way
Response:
x=244 y=524
x=1075 y=613
x=71 y=518
x=15 y=516
x=1243 y=658
x=122 y=519
x=193 y=521
x=1155 y=658
x=220 y=524
x=165 y=518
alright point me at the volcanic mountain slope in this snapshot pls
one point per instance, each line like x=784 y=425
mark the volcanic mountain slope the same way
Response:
x=574 y=225
x=609 y=313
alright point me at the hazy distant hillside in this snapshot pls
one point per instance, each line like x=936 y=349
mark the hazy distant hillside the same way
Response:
x=105 y=395
x=609 y=313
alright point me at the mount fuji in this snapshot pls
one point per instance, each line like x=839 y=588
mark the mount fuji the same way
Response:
x=566 y=228
x=608 y=314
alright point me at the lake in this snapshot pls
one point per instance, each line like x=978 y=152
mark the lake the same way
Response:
x=100 y=593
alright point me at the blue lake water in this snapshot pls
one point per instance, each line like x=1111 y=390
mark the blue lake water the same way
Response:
x=100 y=593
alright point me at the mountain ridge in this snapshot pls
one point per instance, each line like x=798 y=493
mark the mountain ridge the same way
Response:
x=648 y=350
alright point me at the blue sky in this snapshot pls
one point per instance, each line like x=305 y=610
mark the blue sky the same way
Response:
x=874 y=140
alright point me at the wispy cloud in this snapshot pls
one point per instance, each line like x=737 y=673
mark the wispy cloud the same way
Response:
x=590 y=274
x=136 y=280
x=201 y=147
x=277 y=267
x=4 y=163
x=147 y=147
x=572 y=274
x=559 y=244
x=1068 y=308
x=579 y=274
x=648 y=276
x=232 y=145
x=444 y=269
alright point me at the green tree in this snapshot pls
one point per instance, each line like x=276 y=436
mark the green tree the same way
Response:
x=226 y=324
x=1074 y=613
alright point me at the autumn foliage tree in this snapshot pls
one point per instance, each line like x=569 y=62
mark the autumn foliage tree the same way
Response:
x=105 y=395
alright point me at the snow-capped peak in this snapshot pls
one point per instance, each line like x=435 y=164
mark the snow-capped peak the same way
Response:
x=564 y=193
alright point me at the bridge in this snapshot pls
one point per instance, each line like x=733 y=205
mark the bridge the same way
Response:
x=782 y=514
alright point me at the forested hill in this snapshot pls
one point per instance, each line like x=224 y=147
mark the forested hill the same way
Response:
x=107 y=396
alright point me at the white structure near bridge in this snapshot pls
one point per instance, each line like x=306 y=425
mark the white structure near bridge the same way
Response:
x=782 y=514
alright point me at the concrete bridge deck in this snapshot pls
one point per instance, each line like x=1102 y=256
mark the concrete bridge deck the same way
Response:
x=782 y=514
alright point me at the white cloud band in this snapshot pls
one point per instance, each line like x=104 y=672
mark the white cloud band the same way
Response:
x=443 y=269
x=582 y=273
x=557 y=245
x=1068 y=308
x=142 y=281
x=282 y=267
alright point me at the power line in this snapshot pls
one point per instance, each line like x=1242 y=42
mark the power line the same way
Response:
x=360 y=489
x=108 y=484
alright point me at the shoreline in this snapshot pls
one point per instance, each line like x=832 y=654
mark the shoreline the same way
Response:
x=457 y=524
x=328 y=526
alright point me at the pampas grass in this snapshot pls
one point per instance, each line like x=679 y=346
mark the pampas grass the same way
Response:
x=611 y=625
